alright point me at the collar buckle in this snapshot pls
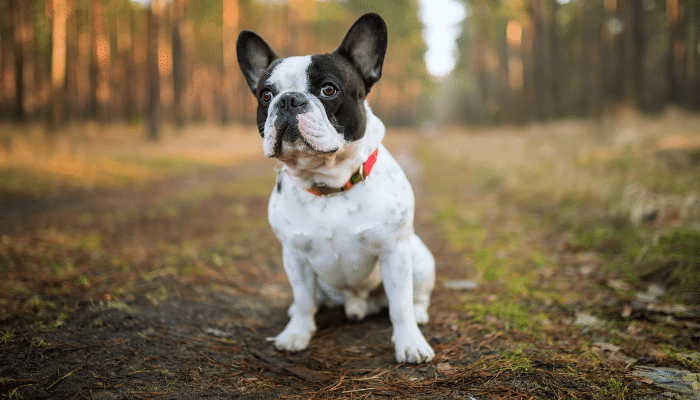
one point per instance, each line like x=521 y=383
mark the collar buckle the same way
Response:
x=359 y=176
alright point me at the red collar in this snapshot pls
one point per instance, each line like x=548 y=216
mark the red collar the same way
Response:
x=356 y=178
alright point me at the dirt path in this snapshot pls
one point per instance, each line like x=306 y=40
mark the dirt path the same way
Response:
x=171 y=289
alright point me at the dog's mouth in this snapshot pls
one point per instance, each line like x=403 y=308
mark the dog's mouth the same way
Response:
x=296 y=134
x=287 y=131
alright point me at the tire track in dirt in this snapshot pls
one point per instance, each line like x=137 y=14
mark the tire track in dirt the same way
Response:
x=21 y=212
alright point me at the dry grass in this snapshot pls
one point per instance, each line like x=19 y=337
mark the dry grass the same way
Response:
x=93 y=155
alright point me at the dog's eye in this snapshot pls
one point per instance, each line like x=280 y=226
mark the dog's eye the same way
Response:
x=328 y=90
x=266 y=96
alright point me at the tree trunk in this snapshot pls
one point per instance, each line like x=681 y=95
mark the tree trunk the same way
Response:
x=229 y=70
x=614 y=47
x=542 y=105
x=72 y=64
x=179 y=12
x=479 y=57
x=505 y=95
x=596 y=96
x=121 y=74
x=93 y=70
x=18 y=10
x=675 y=51
x=99 y=71
x=5 y=31
x=515 y=31
x=58 y=63
x=154 y=106
x=576 y=96
x=555 y=68
x=692 y=68
x=84 y=63
x=633 y=54
x=131 y=109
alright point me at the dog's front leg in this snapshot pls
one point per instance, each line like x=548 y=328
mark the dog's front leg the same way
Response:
x=397 y=276
x=301 y=326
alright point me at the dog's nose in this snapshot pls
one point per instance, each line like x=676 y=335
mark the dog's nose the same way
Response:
x=291 y=102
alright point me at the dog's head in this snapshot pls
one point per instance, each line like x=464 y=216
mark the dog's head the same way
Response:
x=314 y=104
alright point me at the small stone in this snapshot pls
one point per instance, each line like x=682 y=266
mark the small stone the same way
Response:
x=655 y=290
x=461 y=285
x=583 y=319
x=626 y=311
x=218 y=333
x=603 y=346
x=619 y=285
x=645 y=297
x=691 y=356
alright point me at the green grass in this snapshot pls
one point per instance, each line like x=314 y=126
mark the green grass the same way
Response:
x=512 y=312
x=517 y=361
x=641 y=217
x=617 y=388
x=524 y=232
x=7 y=336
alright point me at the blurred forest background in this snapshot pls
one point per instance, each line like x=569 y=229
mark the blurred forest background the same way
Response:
x=174 y=61
x=561 y=199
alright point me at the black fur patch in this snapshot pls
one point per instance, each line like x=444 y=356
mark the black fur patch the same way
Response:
x=346 y=111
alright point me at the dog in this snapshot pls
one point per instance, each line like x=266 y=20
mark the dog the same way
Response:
x=341 y=207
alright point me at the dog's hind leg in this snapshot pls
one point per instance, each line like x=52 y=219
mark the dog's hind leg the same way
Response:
x=423 y=279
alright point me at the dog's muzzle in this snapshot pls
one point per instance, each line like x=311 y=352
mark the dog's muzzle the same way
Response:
x=295 y=118
x=289 y=105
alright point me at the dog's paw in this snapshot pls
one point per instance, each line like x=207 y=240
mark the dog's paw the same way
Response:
x=411 y=346
x=292 y=341
x=421 y=312
x=296 y=335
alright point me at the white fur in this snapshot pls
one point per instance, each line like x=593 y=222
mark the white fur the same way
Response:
x=338 y=249
x=290 y=74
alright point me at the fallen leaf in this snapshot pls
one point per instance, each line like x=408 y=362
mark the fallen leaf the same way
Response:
x=445 y=368
x=308 y=374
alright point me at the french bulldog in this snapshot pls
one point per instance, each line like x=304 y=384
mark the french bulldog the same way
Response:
x=341 y=207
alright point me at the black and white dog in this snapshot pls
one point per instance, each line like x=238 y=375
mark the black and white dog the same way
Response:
x=342 y=207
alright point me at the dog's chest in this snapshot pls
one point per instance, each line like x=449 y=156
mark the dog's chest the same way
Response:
x=340 y=237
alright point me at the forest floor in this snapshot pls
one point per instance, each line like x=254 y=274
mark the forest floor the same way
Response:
x=568 y=265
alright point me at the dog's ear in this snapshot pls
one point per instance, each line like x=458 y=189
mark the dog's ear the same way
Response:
x=365 y=46
x=254 y=56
